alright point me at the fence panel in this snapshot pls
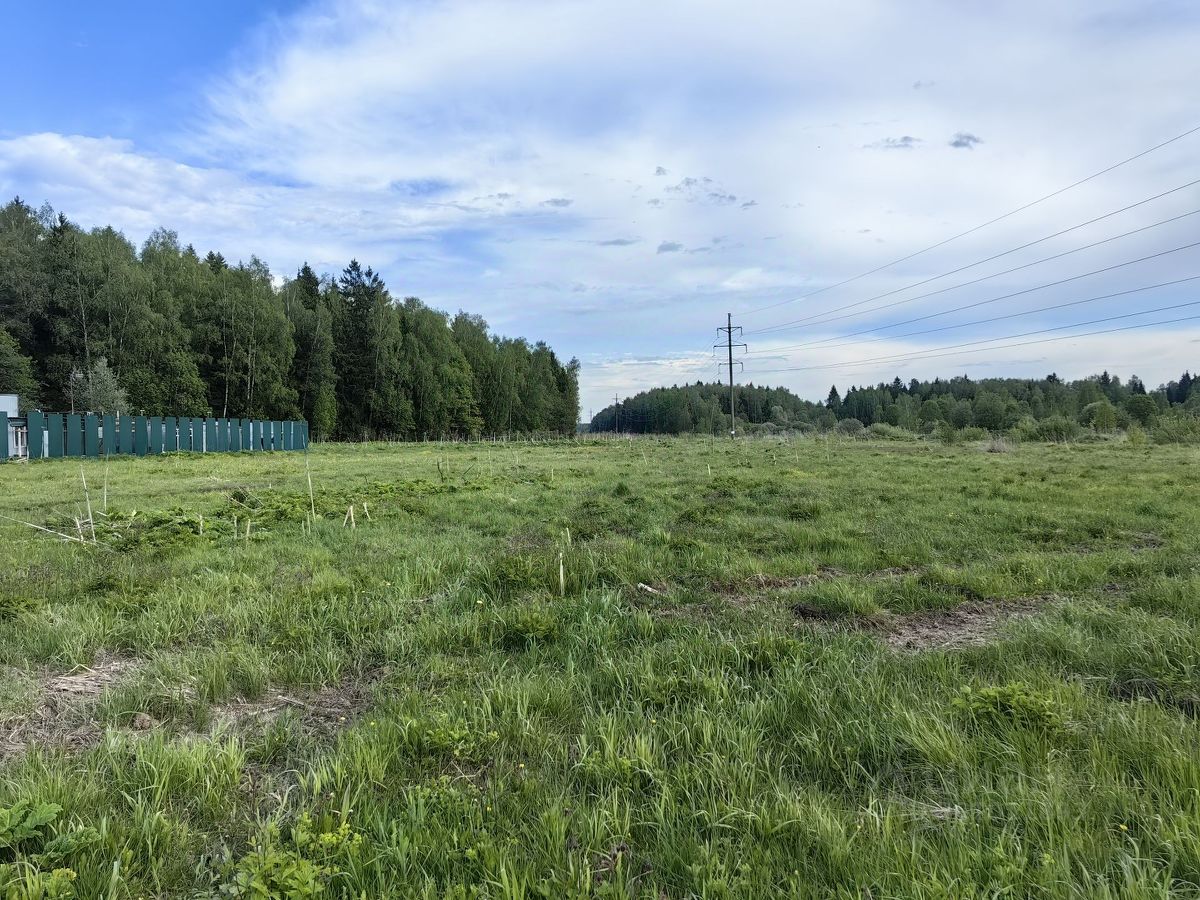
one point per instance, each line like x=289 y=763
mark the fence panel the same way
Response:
x=125 y=435
x=37 y=434
x=156 y=435
x=141 y=435
x=235 y=435
x=91 y=435
x=74 y=446
x=109 y=440
x=55 y=427
x=3 y=435
x=170 y=427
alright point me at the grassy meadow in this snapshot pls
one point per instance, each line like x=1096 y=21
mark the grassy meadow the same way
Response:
x=651 y=668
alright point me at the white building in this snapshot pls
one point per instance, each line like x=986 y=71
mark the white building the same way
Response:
x=16 y=433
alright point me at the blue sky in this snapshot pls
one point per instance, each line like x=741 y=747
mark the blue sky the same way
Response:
x=613 y=177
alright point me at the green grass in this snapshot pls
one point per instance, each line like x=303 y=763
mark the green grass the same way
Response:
x=470 y=694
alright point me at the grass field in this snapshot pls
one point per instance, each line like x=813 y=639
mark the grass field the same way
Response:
x=655 y=669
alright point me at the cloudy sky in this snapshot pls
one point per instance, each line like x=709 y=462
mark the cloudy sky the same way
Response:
x=614 y=177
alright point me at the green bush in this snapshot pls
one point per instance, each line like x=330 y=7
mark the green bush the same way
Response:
x=974 y=433
x=849 y=427
x=890 y=432
x=947 y=434
x=1177 y=428
x=1056 y=429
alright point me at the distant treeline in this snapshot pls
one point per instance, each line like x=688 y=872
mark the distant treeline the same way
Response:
x=88 y=322
x=1102 y=402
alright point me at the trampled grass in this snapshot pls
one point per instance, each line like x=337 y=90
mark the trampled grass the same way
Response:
x=623 y=669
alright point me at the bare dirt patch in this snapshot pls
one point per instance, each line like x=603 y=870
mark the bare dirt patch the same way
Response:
x=62 y=715
x=970 y=624
x=1144 y=541
x=322 y=711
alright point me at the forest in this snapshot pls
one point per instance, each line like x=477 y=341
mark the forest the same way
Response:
x=90 y=322
x=1047 y=407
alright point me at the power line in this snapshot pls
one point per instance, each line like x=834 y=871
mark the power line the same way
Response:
x=935 y=353
x=979 y=227
x=823 y=321
x=1019 y=293
x=1028 y=312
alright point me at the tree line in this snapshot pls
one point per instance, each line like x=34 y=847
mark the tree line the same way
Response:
x=90 y=322
x=1102 y=402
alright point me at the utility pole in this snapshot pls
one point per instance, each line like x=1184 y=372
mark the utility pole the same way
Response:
x=617 y=408
x=729 y=344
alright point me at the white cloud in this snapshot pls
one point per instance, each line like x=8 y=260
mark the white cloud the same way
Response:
x=512 y=157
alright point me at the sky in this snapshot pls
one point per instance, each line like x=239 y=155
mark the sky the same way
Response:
x=616 y=177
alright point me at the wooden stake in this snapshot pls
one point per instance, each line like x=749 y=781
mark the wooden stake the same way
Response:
x=88 y=497
x=65 y=537
x=562 y=577
x=366 y=512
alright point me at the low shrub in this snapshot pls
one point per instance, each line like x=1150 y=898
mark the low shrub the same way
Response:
x=1055 y=429
x=849 y=428
x=890 y=432
x=1015 y=703
x=1177 y=428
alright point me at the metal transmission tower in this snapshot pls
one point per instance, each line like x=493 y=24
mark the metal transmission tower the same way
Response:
x=729 y=344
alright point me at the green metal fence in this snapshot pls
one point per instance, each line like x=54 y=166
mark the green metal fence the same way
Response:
x=58 y=435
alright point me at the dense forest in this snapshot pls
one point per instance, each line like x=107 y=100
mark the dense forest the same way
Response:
x=89 y=322
x=1102 y=402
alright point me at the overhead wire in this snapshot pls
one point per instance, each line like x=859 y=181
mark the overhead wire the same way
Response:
x=978 y=227
x=1022 y=292
x=819 y=318
x=955 y=348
